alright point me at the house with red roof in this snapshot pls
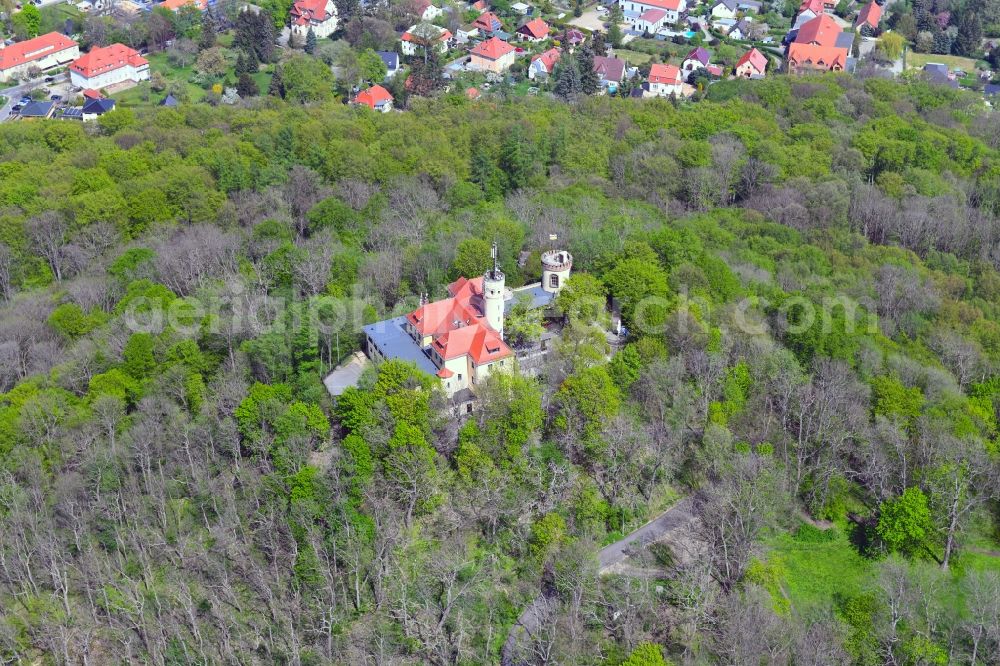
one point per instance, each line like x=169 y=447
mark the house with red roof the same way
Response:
x=665 y=80
x=751 y=65
x=535 y=30
x=424 y=35
x=460 y=339
x=543 y=64
x=115 y=66
x=632 y=10
x=425 y=10
x=320 y=15
x=487 y=23
x=493 y=55
x=375 y=98
x=868 y=19
x=177 y=5
x=820 y=45
x=41 y=53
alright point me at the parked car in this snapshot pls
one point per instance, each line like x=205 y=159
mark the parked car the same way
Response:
x=50 y=79
x=15 y=108
x=26 y=99
x=56 y=98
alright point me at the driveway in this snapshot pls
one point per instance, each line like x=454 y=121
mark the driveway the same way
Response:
x=590 y=20
x=60 y=86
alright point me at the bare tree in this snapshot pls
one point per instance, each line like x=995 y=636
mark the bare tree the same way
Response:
x=47 y=234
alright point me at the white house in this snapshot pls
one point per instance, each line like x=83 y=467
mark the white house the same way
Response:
x=665 y=80
x=320 y=15
x=651 y=21
x=426 y=10
x=724 y=9
x=106 y=66
x=521 y=8
x=543 y=64
x=634 y=9
x=417 y=35
x=696 y=59
x=42 y=52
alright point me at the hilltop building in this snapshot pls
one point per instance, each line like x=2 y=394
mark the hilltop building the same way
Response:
x=460 y=339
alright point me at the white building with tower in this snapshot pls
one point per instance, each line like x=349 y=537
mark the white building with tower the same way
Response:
x=460 y=339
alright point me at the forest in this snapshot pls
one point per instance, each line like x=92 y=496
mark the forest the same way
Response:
x=808 y=272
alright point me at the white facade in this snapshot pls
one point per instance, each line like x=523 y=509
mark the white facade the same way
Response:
x=21 y=70
x=556 y=266
x=321 y=29
x=115 y=76
x=636 y=8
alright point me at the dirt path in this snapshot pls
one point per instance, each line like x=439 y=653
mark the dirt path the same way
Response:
x=610 y=557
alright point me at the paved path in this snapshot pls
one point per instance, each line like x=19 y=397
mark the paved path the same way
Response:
x=676 y=517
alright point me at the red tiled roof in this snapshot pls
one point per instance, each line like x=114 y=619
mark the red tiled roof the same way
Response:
x=666 y=74
x=672 y=5
x=472 y=93
x=870 y=15
x=549 y=59
x=373 y=96
x=444 y=373
x=481 y=5
x=90 y=93
x=175 y=5
x=102 y=59
x=715 y=70
x=822 y=31
x=479 y=341
x=815 y=6
x=816 y=57
x=493 y=48
x=37 y=48
x=756 y=59
x=653 y=15
x=304 y=11
x=536 y=28
x=464 y=306
x=487 y=21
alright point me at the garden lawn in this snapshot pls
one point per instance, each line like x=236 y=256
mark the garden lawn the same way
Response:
x=918 y=60
x=634 y=58
x=54 y=16
x=815 y=571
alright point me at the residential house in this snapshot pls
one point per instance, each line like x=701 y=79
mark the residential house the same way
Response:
x=37 y=110
x=633 y=9
x=665 y=80
x=169 y=101
x=724 y=9
x=939 y=74
x=724 y=25
x=177 y=5
x=535 y=30
x=106 y=66
x=610 y=71
x=375 y=98
x=820 y=45
x=493 y=55
x=487 y=24
x=749 y=6
x=745 y=29
x=522 y=8
x=479 y=6
x=696 y=59
x=424 y=34
x=391 y=60
x=543 y=64
x=573 y=37
x=868 y=19
x=426 y=10
x=93 y=108
x=751 y=65
x=319 y=15
x=808 y=10
x=651 y=21
x=465 y=33
x=42 y=52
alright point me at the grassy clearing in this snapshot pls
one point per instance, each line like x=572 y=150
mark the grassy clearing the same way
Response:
x=634 y=58
x=818 y=570
x=918 y=60
x=54 y=16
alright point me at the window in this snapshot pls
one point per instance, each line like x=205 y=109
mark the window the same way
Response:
x=554 y=281
x=460 y=377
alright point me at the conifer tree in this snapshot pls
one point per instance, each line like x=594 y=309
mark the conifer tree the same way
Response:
x=277 y=86
x=247 y=87
x=310 y=41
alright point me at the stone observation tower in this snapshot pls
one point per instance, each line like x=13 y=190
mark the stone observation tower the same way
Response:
x=556 y=265
x=493 y=294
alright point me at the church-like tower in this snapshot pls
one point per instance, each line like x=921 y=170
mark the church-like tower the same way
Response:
x=493 y=292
